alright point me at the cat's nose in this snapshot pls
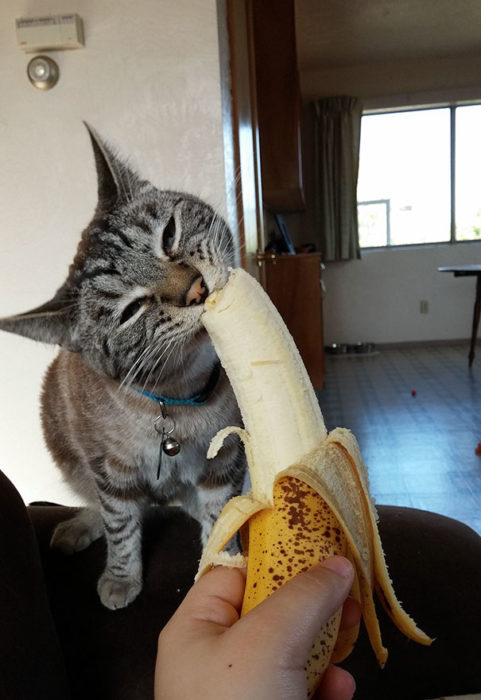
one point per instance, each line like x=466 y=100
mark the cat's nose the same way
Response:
x=197 y=292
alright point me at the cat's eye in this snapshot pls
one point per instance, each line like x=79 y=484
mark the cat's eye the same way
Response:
x=131 y=309
x=168 y=236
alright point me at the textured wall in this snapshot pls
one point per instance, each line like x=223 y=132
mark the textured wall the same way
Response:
x=148 y=80
x=376 y=299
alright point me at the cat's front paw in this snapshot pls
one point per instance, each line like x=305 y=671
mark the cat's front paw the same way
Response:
x=117 y=592
x=77 y=533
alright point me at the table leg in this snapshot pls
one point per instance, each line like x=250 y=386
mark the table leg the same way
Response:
x=476 y=314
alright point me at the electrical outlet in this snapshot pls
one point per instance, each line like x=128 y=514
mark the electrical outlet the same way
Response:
x=423 y=306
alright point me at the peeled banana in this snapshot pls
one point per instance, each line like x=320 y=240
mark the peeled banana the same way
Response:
x=309 y=494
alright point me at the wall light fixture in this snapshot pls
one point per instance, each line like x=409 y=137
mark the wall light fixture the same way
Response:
x=43 y=72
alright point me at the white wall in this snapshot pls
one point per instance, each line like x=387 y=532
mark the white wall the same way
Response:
x=148 y=80
x=376 y=299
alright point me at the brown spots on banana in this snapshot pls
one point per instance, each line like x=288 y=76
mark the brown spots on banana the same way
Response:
x=297 y=533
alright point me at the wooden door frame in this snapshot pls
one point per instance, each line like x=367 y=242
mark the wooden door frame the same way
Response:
x=241 y=132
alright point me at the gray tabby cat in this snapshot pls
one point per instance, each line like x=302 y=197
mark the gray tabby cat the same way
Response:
x=128 y=321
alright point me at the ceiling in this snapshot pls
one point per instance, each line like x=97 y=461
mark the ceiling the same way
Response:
x=339 y=33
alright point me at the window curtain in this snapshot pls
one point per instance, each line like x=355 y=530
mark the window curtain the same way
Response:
x=337 y=130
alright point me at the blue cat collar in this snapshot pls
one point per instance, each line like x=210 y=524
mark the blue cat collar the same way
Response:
x=197 y=400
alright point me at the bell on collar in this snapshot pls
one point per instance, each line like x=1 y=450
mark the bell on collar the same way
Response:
x=170 y=446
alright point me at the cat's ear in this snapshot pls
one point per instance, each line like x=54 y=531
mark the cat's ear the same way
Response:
x=53 y=322
x=115 y=180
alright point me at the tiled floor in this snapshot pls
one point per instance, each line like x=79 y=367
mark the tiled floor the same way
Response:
x=420 y=450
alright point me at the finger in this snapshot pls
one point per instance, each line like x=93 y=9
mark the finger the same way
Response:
x=351 y=613
x=292 y=617
x=337 y=684
x=213 y=602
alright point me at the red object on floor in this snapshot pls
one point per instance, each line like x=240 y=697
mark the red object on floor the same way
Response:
x=478 y=449
x=413 y=392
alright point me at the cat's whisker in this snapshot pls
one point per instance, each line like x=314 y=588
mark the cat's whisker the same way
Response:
x=146 y=360
x=163 y=353
x=159 y=356
x=179 y=359
x=214 y=239
x=132 y=373
x=163 y=357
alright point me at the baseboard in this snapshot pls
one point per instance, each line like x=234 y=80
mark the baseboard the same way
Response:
x=408 y=344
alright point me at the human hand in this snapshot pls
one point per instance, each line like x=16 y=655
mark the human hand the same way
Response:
x=208 y=651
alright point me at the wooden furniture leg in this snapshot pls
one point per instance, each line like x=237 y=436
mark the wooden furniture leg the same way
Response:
x=476 y=314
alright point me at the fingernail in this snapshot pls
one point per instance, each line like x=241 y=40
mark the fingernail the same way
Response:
x=340 y=565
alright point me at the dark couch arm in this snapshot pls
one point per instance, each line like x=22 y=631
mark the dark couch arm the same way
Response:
x=31 y=662
x=435 y=566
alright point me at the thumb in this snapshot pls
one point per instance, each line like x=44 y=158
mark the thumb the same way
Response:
x=295 y=613
x=211 y=605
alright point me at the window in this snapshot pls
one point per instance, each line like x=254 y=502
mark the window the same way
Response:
x=420 y=177
x=468 y=175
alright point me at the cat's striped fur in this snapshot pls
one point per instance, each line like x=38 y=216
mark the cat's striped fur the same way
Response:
x=127 y=318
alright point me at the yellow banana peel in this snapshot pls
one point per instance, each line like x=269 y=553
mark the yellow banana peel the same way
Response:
x=309 y=494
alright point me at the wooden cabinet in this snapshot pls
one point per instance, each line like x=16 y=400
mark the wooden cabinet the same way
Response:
x=278 y=104
x=293 y=282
